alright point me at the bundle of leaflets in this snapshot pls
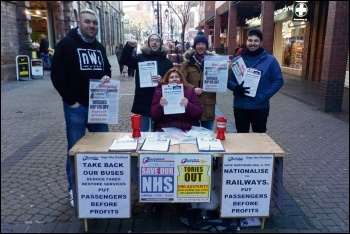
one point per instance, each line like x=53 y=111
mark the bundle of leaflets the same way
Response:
x=124 y=145
x=156 y=144
x=206 y=144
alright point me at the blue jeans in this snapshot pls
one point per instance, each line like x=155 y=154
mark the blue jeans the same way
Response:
x=208 y=124
x=76 y=124
x=46 y=61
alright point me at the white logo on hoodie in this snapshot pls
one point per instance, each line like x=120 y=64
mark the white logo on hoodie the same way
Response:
x=90 y=59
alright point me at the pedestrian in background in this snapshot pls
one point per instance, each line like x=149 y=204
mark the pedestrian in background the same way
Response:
x=255 y=110
x=118 y=53
x=190 y=101
x=240 y=49
x=71 y=72
x=192 y=69
x=154 y=50
x=44 y=52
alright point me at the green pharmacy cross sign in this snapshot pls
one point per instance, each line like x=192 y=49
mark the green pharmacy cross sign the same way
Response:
x=300 y=10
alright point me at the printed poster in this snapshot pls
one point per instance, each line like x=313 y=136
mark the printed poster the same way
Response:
x=175 y=177
x=246 y=185
x=215 y=73
x=104 y=102
x=103 y=185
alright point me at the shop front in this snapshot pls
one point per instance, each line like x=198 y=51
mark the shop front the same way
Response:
x=288 y=45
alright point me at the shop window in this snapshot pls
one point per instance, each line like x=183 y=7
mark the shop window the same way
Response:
x=293 y=44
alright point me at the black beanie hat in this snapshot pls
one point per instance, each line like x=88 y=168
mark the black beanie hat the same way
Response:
x=201 y=37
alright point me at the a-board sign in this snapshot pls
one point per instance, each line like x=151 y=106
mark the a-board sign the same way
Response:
x=37 y=66
x=23 y=67
x=246 y=185
x=103 y=185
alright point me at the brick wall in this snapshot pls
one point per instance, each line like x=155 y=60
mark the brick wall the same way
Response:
x=9 y=40
x=335 y=56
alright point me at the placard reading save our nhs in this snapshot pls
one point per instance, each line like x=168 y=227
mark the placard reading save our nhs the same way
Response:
x=175 y=177
x=103 y=185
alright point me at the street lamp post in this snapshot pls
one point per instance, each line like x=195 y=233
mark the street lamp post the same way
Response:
x=156 y=13
x=166 y=12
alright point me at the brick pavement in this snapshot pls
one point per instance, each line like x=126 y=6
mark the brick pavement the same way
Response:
x=33 y=185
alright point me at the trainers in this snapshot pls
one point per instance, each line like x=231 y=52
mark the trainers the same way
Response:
x=71 y=198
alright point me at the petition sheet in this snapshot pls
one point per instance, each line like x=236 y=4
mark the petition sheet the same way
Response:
x=147 y=70
x=103 y=102
x=215 y=73
x=173 y=93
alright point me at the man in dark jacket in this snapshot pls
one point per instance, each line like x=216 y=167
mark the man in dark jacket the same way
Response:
x=78 y=58
x=44 y=52
x=154 y=50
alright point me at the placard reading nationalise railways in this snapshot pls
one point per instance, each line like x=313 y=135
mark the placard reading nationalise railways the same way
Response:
x=103 y=185
x=246 y=185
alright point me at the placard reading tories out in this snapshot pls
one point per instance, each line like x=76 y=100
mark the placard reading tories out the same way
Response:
x=246 y=185
x=175 y=177
x=103 y=185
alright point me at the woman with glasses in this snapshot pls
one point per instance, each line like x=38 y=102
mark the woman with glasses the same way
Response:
x=154 y=50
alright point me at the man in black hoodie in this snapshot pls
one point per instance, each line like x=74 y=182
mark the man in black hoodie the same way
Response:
x=78 y=58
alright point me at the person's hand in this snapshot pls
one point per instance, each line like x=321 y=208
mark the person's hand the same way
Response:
x=240 y=90
x=132 y=42
x=163 y=102
x=75 y=105
x=198 y=91
x=156 y=78
x=184 y=102
x=105 y=79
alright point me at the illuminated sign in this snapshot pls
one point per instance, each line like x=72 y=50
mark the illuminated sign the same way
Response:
x=300 y=10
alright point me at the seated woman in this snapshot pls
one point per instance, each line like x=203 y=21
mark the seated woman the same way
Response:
x=183 y=121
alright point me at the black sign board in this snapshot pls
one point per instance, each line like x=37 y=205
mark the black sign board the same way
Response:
x=301 y=10
x=23 y=67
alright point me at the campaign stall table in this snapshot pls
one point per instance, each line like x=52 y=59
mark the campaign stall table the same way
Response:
x=252 y=167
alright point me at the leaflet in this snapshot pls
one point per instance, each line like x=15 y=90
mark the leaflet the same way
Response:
x=173 y=93
x=146 y=71
x=251 y=79
x=238 y=68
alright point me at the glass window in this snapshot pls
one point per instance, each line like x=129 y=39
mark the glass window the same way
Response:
x=293 y=44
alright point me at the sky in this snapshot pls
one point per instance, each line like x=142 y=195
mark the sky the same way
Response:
x=127 y=3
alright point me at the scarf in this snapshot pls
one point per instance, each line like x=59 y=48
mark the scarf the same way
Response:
x=199 y=58
x=255 y=52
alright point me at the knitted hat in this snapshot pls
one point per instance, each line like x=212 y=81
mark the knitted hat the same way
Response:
x=201 y=37
x=161 y=41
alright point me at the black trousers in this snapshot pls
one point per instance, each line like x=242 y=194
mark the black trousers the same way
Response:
x=255 y=117
x=121 y=66
x=131 y=72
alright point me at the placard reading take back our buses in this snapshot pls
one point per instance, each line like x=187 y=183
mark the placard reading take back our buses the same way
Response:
x=103 y=185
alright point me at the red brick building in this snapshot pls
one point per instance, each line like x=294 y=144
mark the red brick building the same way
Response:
x=315 y=47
